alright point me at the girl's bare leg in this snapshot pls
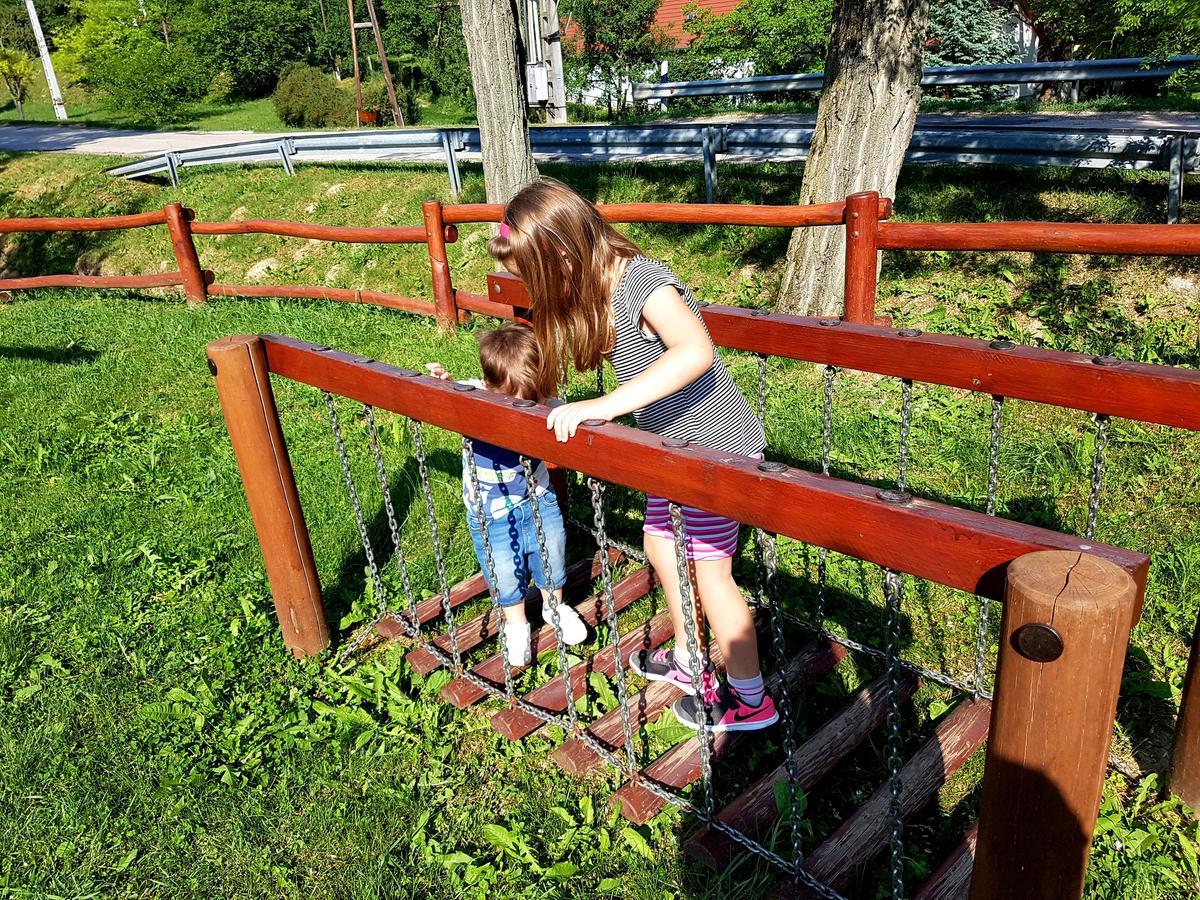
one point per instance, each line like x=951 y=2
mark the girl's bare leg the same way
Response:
x=730 y=618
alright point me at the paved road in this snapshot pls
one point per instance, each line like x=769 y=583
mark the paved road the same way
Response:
x=117 y=142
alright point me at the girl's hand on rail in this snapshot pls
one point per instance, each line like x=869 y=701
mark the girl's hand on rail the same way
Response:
x=437 y=370
x=564 y=420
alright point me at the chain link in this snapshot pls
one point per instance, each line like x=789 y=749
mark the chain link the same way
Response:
x=376 y=579
x=770 y=566
x=564 y=666
x=1098 y=460
x=691 y=618
x=476 y=490
x=762 y=388
x=905 y=426
x=439 y=559
x=393 y=523
x=610 y=608
x=893 y=594
x=983 y=604
x=826 y=460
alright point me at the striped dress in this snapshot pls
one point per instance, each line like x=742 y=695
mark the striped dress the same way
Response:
x=710 y=412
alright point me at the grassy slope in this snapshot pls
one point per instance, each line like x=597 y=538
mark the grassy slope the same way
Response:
x=155 y=737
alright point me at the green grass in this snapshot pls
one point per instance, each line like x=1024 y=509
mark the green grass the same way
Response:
x=156 y=738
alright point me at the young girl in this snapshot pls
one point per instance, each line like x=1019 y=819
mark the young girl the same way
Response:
x=509 y=359
x=595 y=296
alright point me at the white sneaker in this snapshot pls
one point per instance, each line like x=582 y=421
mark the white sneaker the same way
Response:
x=517 y=643
x=574 y=629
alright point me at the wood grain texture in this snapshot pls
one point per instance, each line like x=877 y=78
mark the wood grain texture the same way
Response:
x=862 y=257
x=462 y=693
x=952 y=879
x=341 y=234
x=195 y=284
x=865 y=833
x=754 y=810
x=687 y=213
x=430 y=609
x=952 y=546
x=319 y=292
x=244 y=389
x=1043 y=237
x=680 y=766
x=166 y=279
x=103 y=223
x=1051 y=726
x=1185 y=762
x=443 y=287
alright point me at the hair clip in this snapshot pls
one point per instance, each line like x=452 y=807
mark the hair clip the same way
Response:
x=505 y=231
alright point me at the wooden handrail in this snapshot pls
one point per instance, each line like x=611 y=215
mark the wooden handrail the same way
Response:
x=408 y=234
x=952 y=546
x=104 y=223
x=687 y=213
x=1042 y=237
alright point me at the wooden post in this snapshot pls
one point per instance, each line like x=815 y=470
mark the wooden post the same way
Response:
x=244 y=388
x=1066 y=623
x=862 y=257
x=195 y=283
x=1185 y=761
x=443 y=287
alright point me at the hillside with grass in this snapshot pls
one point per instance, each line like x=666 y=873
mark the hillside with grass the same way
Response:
x=155 y=736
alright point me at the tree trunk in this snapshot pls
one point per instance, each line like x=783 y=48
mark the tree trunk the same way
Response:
x=20 y=109
x=497 y=75
x=864 y=123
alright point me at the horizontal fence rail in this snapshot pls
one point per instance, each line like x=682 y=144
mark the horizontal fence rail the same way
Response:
x=957 y=143
x=951 y=546
x=932 y=76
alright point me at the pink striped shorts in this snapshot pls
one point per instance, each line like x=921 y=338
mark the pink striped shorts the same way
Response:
x=708 y=537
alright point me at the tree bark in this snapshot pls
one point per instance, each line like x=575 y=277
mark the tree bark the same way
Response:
x=497 y=74
x=864 y=123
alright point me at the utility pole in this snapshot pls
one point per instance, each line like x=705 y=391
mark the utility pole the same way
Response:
x=60 y=109
x=556 y=106
x=373 y=24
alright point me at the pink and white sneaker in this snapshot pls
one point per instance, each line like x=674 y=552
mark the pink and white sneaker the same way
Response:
x=660 y=665
x=724 y=710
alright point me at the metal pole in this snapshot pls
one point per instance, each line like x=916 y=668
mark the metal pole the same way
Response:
x=357 y=73
x=1175 y=181
x=60 y=109
x=556 y=109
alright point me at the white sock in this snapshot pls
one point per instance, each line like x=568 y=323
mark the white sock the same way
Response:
x=684 y=661
x=750 y=690
x=517 y=643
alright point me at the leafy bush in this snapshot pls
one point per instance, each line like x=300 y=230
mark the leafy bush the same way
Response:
x=374 y=96
x=308 y=98
x=152 y=79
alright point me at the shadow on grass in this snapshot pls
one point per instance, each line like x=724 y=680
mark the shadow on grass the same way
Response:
x=71 y=355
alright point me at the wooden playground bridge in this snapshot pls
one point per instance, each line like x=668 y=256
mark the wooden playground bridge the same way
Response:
x=1068 y=602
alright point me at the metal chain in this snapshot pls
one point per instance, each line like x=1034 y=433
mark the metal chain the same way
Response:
x=690 y=609
x=762 y=388
x=564 y=666
x=484 y=521
x=610 y=609
x=393 y=524
x=893 y=593
x=376 y=579
x=905 y=426
x=439 y=560
x=993 y=486
x=770 y=565
x=600 y=379
x=826 y=460
x=1098 y=459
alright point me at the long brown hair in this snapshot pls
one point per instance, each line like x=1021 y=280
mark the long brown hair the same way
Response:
x=570 y=260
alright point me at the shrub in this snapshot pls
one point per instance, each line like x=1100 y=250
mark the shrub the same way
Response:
x=374 y=96
x=151 y=79
x=308 y=98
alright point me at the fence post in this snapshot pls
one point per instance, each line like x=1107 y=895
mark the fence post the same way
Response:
x=443 y=288
x=244 y=388
x=195 y=282
x=1175 y=178
x=1185 y=759
x=862 y=257
x=1066 y=623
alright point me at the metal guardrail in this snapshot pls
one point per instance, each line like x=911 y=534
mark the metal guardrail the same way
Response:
x=933 y=76
x=1175 y=152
